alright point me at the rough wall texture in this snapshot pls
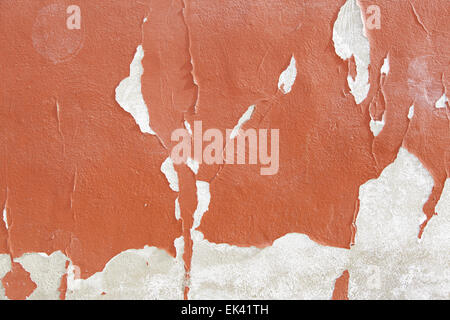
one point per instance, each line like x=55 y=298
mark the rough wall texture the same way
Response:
x=352 y=203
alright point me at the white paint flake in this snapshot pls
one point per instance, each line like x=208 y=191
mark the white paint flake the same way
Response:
x=385 y=67
x=441 y=103
x=129 y=94
x=244 y=118
x=411 y=112
x=193 y=165
x=349 y=40
x=287 y=77
x=171 y=175
x=177 y=209
x=5 y=218
x=203 y=199
x=377 y=125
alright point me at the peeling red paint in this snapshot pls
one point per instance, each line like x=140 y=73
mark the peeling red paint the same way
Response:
x=78 y=175
x=17 y=283
x=341 y=287
x=419 y=74
x=63 y=284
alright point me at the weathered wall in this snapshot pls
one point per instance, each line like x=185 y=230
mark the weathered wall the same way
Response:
x=352 y=203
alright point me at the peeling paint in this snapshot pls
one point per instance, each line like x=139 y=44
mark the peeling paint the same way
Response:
x=442 y=102
x=243 y=119
x=129 y=95
x=95 y=209
x=171 y=175
x=349 y=40
x=287 y=77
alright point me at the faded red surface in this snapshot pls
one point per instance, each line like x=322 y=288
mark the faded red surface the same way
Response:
x=83 y=179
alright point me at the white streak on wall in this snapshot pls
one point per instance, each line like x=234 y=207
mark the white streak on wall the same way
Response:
x=376 y=126
x=385 y=67
x=441 y=103
x=129 y=94
x=171 y=175
x=243 y=119
x=177 y=209
x=349 y=40
x=287 y=77
x=203 y=199
x=5 y=218
x=193 y=165
x=411 y=112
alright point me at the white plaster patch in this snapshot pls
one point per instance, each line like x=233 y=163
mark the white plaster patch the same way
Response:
x=411 y=112
x=203 y=199
x=243 y=119
x=294 y=267
x=177 y=209
x=376 y=126
x=46 y=272
x=171 y=175
x=5 y=218
x=287 y=77
x=441 y=103
x=387 y=260
x=193 y=165
x=148 y=273
x=349 y=40
x=129 y=94
x=385 y=67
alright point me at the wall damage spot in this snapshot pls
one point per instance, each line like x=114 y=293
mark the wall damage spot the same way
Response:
x=94 y=208
x=442 y=102
x=287 y=77
x=129 y=95
x=350 y=40
x=171 y=175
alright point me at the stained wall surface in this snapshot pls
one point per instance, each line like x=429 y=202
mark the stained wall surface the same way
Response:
x=121 y=173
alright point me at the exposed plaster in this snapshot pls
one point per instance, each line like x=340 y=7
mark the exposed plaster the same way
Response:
x=287 y=77
x=171 y=175
x=129 y=94
x=243 y=119
x=349 y=40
